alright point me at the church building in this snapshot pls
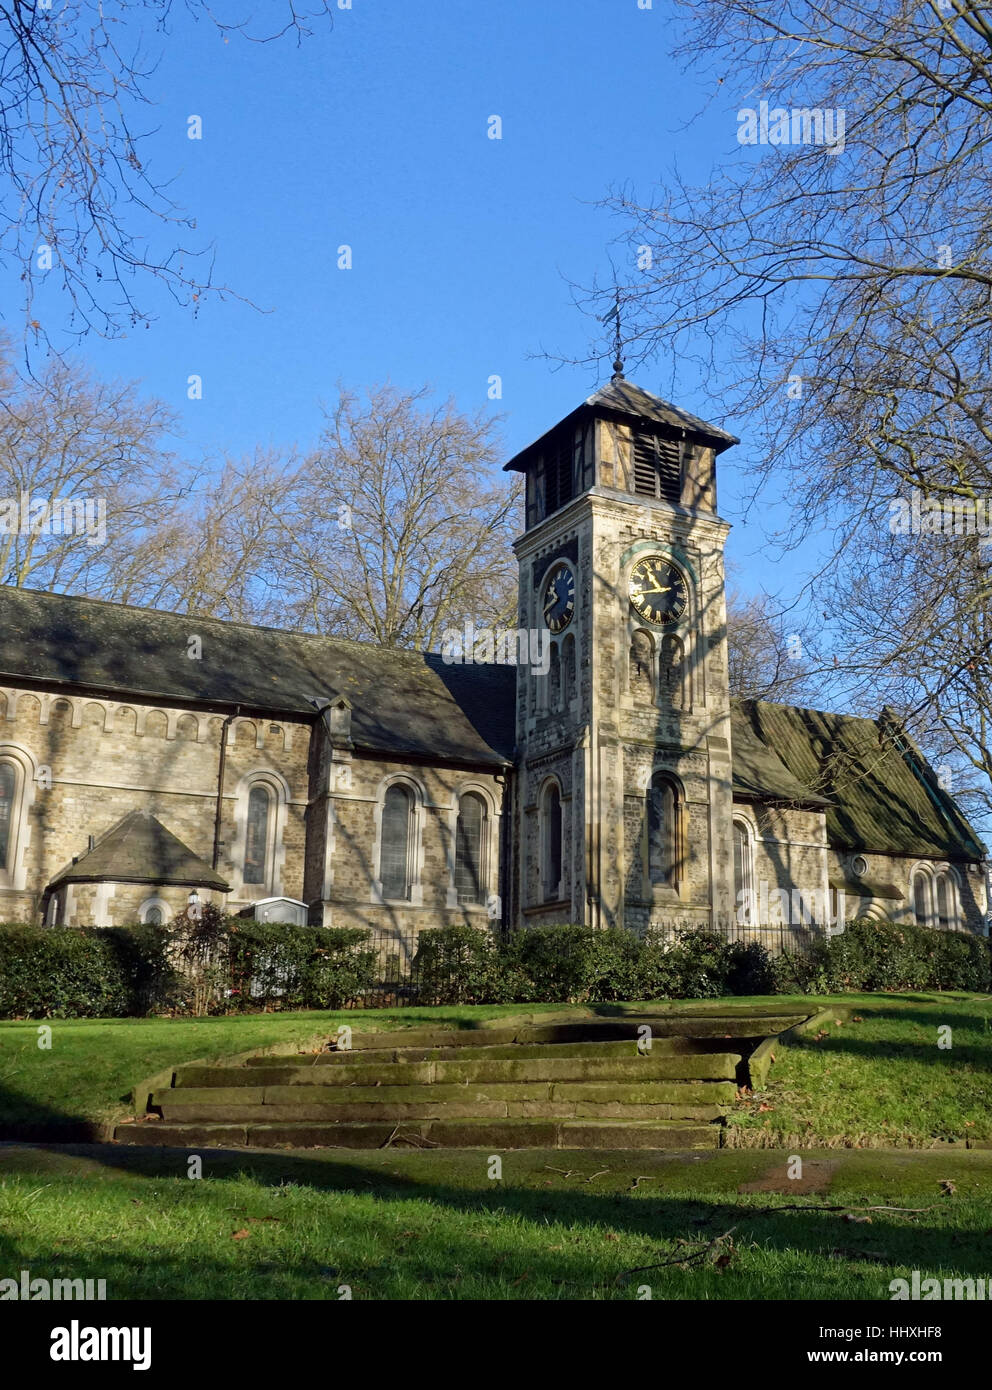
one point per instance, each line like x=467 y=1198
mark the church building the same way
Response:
x=148 y=759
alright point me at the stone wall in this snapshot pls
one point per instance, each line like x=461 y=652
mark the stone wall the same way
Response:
x=88 y=762
x=881 y=886
x=789 y=855
x=343 y=882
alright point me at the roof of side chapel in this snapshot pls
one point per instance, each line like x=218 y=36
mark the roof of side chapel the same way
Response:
x=877 y=790
x=139 y=849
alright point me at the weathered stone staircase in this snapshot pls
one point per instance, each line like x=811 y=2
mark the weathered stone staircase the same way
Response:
x=578 y=1084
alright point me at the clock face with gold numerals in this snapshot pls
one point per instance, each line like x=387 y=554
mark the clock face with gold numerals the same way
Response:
x=657 y=591
x=558 y=597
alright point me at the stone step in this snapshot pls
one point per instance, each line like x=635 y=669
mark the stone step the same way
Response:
x=702 y=1066
x=688 y=1026
x=660 y=1046
x=428 y=1134
x=346 y=1111
x=431 y=1037
x=632 y=1092
x=649 y=1092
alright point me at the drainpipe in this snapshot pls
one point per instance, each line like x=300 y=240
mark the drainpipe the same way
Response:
x=507 y=822
x=220 y=781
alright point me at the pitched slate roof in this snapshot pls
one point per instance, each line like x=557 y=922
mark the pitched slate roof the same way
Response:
x=758 y=770
x=881 y=794
x=404 y=702
x=139 y=849
x=622 y=397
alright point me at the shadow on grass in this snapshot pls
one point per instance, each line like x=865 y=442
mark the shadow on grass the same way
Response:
x=957 y=1015
x=775 y=1245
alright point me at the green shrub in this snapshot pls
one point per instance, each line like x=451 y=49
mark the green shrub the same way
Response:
x=872 y=955
x=457 y=965
x=962 y=962
x=85 y=972
x=749 y=969
x=572 y=964
x=217 y=964
x=278 y=965
x=802 y=972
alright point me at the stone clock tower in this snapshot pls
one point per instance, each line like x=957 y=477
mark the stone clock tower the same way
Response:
x=622 y=807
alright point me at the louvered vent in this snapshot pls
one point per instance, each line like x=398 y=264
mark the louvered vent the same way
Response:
x=558 y=482
x=657 y=467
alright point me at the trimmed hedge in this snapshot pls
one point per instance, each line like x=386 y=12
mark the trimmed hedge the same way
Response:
x=871 y=955
x=86 y=972
x=209 y=964
x=278 y=965
x=222 y=964
x=577 y=964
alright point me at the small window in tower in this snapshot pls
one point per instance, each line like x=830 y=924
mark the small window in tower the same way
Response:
x=552 y=856
x=657 y=467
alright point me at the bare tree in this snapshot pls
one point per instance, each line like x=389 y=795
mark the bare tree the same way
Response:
x=398 y=526
x=216 y=552
x=832 y=286
x=768 y=654
x=913 y=637
x=80 y=203
x=85 y=477
x=835 y=295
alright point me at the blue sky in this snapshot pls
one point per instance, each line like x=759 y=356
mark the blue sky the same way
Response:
x=373 y=133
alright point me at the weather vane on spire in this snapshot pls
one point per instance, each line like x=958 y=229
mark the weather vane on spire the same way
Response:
x=614 y=314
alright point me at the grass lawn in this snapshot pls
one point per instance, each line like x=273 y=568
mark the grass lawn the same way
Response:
x=881 y=1078
x=409 y=1225
x=402 y=1224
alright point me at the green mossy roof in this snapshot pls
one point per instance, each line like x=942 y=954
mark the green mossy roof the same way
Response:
x=880 y=793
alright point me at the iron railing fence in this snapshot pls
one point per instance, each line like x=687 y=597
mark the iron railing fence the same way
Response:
x=404 y=977
x=778 y=938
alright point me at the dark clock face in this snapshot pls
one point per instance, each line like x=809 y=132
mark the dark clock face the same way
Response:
x=657 y=591
x=558 y=599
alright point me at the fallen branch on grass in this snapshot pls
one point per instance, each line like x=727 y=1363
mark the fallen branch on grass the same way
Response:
x=697 y=1256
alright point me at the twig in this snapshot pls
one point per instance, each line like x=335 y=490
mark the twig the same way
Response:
x=680 y=1259
x=766 y=1211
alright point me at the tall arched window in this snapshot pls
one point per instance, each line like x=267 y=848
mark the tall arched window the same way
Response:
x=663 y=831
x=552 y=843
x=922 y=910
x=948 y=901
x=743 y=872
x=394 y=852
x=257 y=834
x=470 y=876
x=943 y=902
x=8 y=791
